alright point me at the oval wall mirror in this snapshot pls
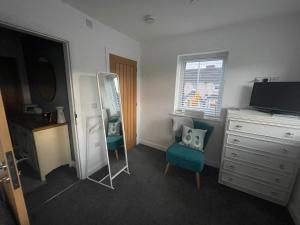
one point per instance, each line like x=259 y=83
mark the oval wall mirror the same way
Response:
x=45 y=79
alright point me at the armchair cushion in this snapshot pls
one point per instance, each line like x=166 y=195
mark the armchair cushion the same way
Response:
x=185 y=157
x=114 y=128
x=114 y=142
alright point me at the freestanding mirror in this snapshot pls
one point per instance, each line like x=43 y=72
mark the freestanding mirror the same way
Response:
x=112 y=122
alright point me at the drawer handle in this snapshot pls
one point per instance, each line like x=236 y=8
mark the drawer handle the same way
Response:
x=285 y=151
x=238 y=126
x=236 y=141
x=231 y=166
x=234 y=154
x=230 y=179
x=281 y=166
x=277 y=180
x=274 y=193
x=289 y=134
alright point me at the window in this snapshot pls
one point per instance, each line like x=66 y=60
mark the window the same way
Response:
x=199 y=85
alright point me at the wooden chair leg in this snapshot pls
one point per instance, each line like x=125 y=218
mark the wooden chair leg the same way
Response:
x=117 y=154
x=167 y=168
x=198 y=180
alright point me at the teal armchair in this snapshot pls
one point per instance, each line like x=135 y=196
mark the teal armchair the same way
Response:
x=188 y=158
x=114 y=143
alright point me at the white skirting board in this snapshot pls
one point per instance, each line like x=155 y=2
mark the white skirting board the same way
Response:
x=164 y=148
x=294 y=214
x=153 y=145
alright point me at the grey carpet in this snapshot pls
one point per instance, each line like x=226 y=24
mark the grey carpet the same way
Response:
x=148 y=197
x=56 y=181
x=29 y=178
x=6 y=216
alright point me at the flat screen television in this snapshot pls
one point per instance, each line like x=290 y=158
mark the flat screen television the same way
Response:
x=276 y=97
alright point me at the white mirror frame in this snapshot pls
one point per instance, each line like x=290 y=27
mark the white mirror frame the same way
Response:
x=125 y=168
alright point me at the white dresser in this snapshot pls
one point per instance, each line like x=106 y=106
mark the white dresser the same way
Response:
x=261 y=154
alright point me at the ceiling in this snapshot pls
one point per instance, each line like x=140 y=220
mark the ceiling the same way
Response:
x=175 y=17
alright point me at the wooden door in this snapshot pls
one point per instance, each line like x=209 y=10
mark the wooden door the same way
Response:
x=126 y=69
x=12 y=186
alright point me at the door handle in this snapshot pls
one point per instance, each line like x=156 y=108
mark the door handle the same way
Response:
x=234 y=154
x=238 y=126
x=2 y=166
x=273 y=193
x=13 y=172
x=4 y=180
x=289 y=134
x=236 y=141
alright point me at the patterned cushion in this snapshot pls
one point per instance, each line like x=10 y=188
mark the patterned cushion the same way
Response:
x=193 y=138
x=114 y=128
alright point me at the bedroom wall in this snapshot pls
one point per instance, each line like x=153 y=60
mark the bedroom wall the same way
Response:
x=88 y=46
x=256 y=49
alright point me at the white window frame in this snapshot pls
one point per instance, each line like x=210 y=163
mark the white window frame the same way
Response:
x=181 y=59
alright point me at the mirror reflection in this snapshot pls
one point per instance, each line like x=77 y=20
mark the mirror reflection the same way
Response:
x=95 y=155
x=113 y=124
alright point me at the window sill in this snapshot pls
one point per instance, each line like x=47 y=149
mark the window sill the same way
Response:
x=207 y=118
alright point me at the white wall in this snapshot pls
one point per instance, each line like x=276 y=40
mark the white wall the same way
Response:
x=87 y=46
x=260 y=48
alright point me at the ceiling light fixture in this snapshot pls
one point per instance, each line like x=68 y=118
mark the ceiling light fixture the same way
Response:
x=149 y=19
x=194 y=1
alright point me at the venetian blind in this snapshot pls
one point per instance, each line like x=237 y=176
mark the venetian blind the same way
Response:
x=201 y=84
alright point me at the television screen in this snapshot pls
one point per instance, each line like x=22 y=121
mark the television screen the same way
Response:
x=276 y=96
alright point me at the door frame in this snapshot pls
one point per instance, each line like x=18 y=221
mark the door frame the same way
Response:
x=69 y=78
x=109 y=51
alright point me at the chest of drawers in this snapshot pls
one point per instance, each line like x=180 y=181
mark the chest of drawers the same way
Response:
x=261 y=154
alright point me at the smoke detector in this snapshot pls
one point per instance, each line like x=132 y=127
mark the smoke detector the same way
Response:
x=149 y=19
x=193 y=1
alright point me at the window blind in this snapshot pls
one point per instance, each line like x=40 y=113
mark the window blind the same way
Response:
x=201 y=85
